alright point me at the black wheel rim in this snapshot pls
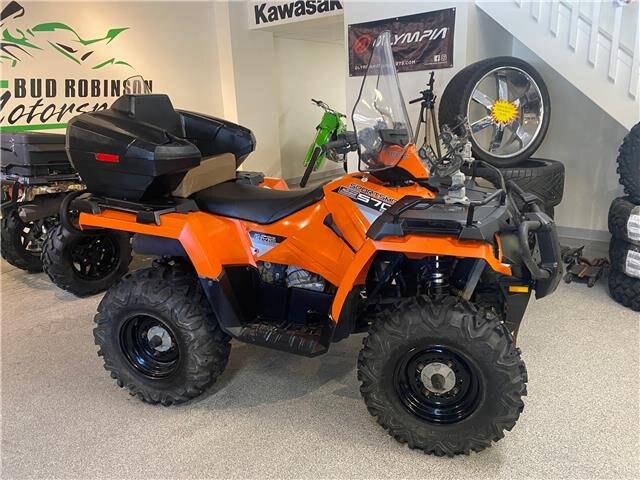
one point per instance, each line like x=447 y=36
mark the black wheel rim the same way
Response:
x=440 y=400
x=32 y=234
x=150 y=346
x=95 y=257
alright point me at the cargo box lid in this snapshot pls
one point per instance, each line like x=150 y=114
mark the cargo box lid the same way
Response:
x=30 y=138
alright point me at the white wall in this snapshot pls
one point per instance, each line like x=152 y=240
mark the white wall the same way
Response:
x=586 y=140
x=256 y=89
x=305 y=69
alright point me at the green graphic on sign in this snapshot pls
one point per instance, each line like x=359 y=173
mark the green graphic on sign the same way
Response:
x=17 y=44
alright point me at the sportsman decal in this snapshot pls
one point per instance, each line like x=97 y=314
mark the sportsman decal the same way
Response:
x=371 y=203
x=261 y=243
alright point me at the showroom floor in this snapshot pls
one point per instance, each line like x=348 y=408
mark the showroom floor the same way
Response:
x=273 y=415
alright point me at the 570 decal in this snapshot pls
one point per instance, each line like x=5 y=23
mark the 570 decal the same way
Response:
x=367 y=198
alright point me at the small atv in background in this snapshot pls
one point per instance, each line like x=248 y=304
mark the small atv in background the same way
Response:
x=435 y=269
x=36 y=177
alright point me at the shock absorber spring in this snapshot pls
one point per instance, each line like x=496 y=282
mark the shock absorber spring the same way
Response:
x=436 y=275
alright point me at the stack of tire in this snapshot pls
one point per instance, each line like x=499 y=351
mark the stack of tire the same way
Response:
x=507 y=107
x=624 y=225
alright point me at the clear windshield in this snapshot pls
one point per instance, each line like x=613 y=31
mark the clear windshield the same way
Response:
x=380 y=117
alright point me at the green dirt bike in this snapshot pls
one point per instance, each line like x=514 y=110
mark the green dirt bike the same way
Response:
x=329 y=128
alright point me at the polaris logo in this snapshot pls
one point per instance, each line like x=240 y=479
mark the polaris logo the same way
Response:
x=268 y=12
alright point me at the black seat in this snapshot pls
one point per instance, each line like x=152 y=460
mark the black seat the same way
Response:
x=252 y=203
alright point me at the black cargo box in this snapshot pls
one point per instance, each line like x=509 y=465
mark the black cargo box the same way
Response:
x=35 y=158
x=141 y=147
x=214 y=136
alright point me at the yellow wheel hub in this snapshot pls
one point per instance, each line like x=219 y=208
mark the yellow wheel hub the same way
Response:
x=504 y=112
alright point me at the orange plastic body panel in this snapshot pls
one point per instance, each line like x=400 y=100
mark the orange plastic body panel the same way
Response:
x=213 y=242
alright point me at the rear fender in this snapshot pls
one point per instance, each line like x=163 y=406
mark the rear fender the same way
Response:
x=414 y=246
x=208 y=241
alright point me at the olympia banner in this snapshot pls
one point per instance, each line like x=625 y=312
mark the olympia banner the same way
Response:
x=423 y=41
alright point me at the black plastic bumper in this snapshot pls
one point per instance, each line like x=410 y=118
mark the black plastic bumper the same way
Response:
x=548 y=269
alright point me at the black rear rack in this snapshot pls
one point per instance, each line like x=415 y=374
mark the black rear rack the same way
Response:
x=148 y=213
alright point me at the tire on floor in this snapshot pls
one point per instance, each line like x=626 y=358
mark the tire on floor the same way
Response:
x=158 y=335
x=629 y=164
x=421 y=355
x=625 y=257
x=624 y=289
x=624 y=220
x=85 y=264
x=12 y=243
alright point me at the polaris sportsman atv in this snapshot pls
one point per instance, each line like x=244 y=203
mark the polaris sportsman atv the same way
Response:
x=437 y=274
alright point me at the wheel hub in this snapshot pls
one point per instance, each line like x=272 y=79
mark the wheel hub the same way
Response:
x=504 y=112
x=437 y=384
x=438 y=378
x=150 y=346
x=159 y=339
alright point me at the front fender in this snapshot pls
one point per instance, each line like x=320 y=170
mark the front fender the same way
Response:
x=416 y=246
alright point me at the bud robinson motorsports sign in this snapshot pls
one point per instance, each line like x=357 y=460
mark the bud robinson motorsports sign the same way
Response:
x=51 y=71
x=423 y=41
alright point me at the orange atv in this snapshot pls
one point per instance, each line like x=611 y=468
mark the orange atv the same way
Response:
x=436 y=272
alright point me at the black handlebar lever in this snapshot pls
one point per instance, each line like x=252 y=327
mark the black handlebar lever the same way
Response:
x=345 y=143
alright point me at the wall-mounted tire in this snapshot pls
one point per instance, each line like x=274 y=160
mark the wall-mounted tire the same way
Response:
x=543 y=178
x=629 y=164
x=625 y=290
x=625 y=257
x=457 y=101
x=85 y=264
x=624 y=220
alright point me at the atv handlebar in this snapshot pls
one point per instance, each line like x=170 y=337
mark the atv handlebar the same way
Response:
x=327 y=108
x=345 y=143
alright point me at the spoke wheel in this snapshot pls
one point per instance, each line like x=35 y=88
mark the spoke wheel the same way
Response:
x=85 y=263
x=506 y=104
x=505 y=112
x=32 y=234
x=94 y=257
x=150 y=346
x=437 y=384
x=22 y=243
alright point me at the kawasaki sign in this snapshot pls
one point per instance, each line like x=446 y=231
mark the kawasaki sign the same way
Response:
x=265 y=14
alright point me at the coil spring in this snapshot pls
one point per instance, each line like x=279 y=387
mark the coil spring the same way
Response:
x=437 y=273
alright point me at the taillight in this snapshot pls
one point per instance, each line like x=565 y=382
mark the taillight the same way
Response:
x=107 y=157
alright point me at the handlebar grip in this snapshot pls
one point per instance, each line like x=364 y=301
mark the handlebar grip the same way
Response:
x=336 y=144
x=415 y=100
x=346 y=142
